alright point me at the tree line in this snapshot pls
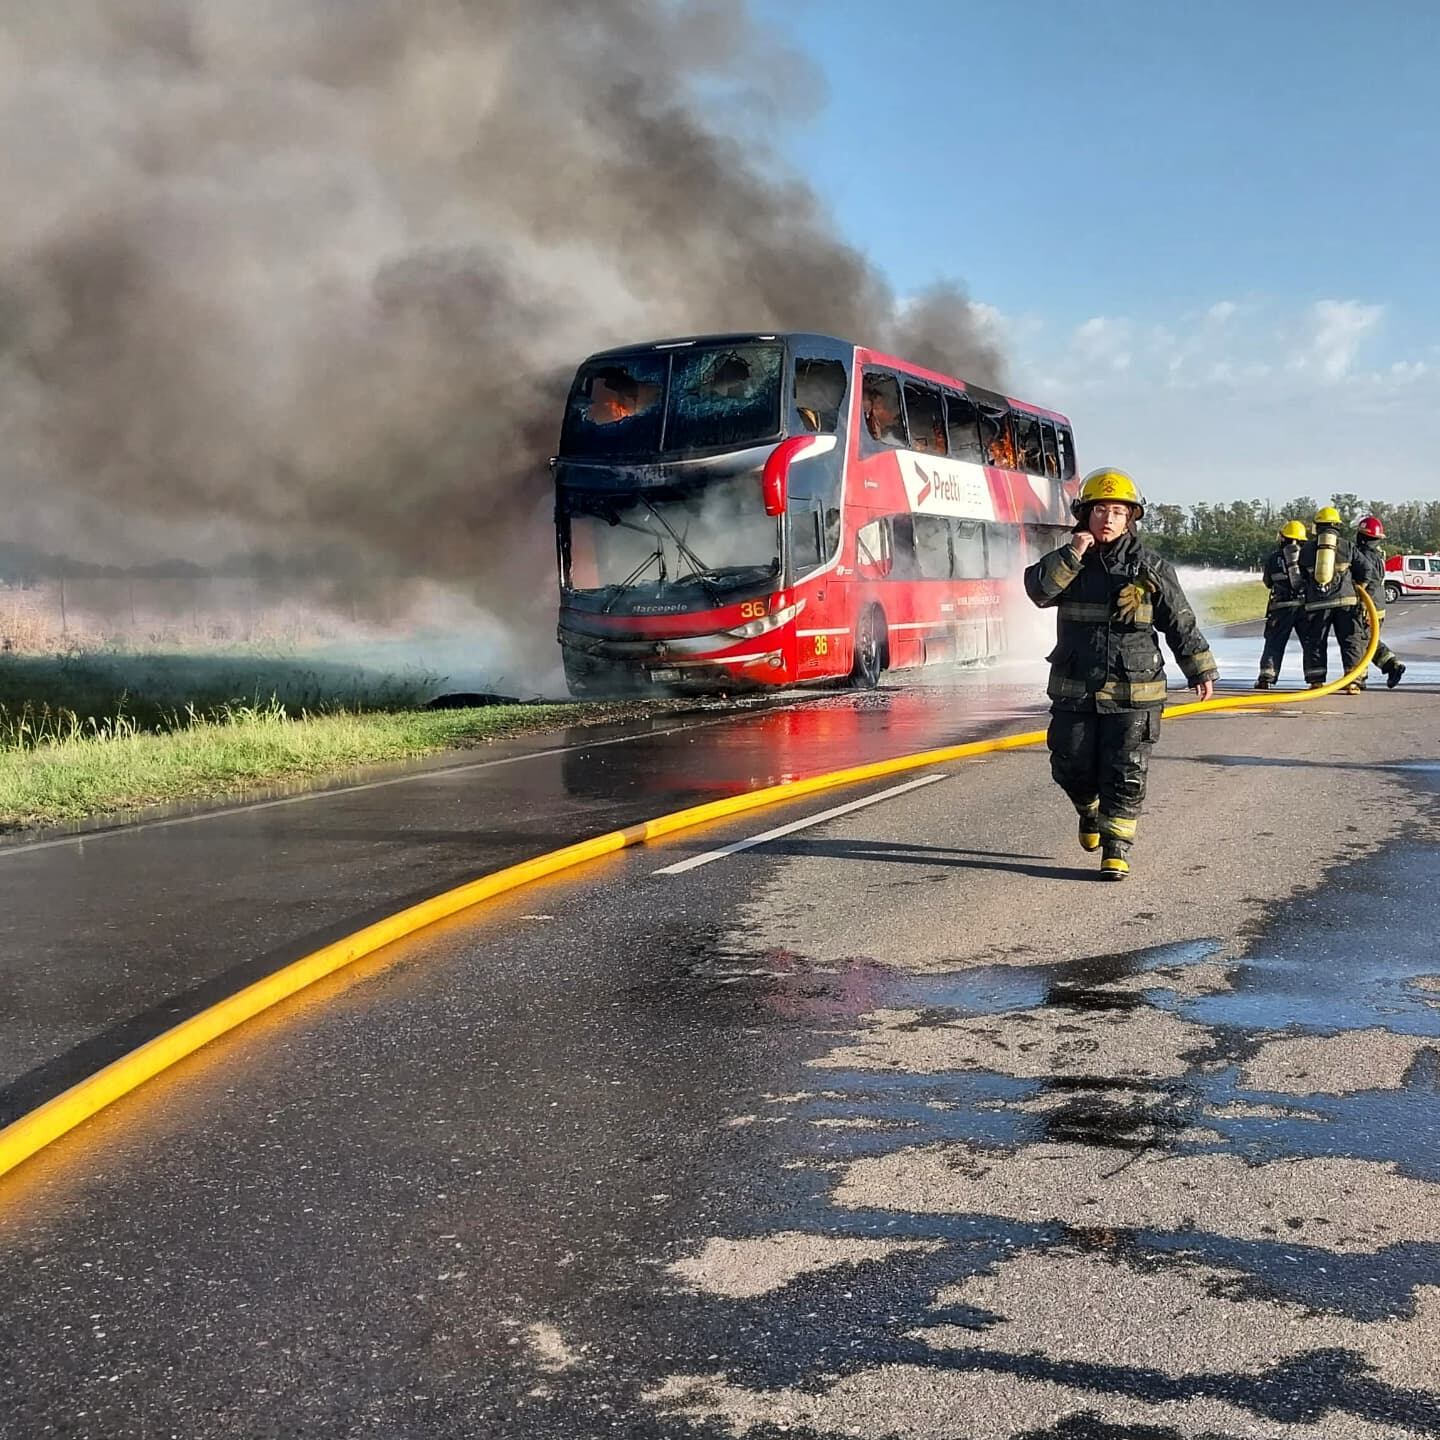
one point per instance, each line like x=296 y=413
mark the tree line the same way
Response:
x=1241 y=533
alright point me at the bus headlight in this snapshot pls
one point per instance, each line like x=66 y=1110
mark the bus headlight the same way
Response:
x=766 y=622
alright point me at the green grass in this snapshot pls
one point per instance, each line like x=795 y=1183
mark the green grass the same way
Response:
x=151 y=688
x=56 y=766
x=1232 y=604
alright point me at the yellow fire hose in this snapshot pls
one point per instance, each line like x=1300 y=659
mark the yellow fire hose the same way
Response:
x=48 y=1122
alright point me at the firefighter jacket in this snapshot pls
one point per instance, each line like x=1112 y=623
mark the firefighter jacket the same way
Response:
x=1367 y=569
x=1283 y=579
x=1110 y=603
x=1336 y=591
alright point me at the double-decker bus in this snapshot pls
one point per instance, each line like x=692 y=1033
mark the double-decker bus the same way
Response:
x=740 y=511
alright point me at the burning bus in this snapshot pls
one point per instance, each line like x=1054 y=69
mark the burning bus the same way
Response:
x=740 y=511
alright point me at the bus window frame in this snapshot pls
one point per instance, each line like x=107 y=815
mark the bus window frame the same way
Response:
x=798 y=425
x=1029 y=421
x=961 y=398
x=935 y=526
x=932 y=393
x=1049 y=448
x=1000 y=416
x=877 y=563
x=1065 y=439
x=960 y=530
x=871 y=444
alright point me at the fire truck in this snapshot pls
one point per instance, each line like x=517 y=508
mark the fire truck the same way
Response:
x=1411 y=575
x=742 y=511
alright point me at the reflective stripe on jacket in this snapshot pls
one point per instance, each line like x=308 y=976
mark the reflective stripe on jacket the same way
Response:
x=1109 y=606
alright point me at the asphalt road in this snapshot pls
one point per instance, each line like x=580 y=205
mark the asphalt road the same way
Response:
x=113 y=937
x=900 y=1125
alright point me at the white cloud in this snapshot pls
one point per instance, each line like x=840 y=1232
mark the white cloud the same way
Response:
x=1242 y=400
x=1337 y=330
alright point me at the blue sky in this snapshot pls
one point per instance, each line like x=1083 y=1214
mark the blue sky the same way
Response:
x=1211 y=232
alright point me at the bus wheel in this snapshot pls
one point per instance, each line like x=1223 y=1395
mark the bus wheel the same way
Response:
x=1392 y=591
x=869 y=649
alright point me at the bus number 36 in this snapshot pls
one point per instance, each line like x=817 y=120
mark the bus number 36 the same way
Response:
x=822 y=644
x=752 y=609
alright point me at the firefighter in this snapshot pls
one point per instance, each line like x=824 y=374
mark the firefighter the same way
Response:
x=1107 y=679
x=1368 y=569
x=1330 y=601
x=1286 y=586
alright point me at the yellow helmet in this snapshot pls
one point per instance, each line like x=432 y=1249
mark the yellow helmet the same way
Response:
x=1292 y=530
x=1108 y=484
x=1327 y=515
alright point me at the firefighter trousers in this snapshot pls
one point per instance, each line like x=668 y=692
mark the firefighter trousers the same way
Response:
x=1384 y=659
x=1104 y=757
x=1349 y=626
x=1278 y=625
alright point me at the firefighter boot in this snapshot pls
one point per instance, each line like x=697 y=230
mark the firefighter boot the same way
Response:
x=1264 y=683
x=1090 y=826
x=1393 y=673
x=1118 y=831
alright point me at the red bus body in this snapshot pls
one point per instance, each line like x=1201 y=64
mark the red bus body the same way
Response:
x=892 y=532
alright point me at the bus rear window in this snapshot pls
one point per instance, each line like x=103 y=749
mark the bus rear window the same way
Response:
x=616 y=407
x=727 y=397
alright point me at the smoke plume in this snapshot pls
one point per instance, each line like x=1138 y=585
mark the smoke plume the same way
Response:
x=309 y=276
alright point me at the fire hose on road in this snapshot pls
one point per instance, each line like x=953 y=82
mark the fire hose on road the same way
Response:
x=57 y=1117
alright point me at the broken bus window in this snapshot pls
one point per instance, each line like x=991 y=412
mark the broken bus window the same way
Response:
x=1027 y=442
x=615 y=407
x=819 y=393
x=880 y=396
x=927 y=419
x=724 y=397
x=963 y=427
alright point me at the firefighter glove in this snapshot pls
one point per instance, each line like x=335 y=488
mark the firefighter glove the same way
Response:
x=1129 y=601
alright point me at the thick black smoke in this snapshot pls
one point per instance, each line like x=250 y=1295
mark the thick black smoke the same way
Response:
x=307 y=276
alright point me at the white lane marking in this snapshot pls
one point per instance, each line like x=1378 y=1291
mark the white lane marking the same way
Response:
x=86 y=837
x=790 y=829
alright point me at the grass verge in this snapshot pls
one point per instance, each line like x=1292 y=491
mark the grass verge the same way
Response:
x=1233 y=604
x=77 y=769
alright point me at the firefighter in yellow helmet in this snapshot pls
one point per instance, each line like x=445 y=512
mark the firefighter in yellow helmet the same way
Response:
x=1107 y=679
x=1330 y=600
x=1286 y=585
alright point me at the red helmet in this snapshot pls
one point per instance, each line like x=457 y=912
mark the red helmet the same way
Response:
x=1373 y=527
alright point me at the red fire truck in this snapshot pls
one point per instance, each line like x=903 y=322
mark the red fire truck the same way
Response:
x=738 y=511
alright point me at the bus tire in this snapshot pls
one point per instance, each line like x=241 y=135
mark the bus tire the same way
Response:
x=1392 y=591
x=872 y=646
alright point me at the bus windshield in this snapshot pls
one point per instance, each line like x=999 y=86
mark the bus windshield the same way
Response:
x=712 y=538
x=630 y=407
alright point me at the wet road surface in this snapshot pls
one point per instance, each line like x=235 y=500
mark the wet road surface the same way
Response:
x=902 y=1125
x=111 y=938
